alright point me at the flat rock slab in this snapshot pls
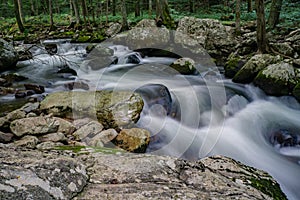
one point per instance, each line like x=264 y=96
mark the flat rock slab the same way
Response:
x=53 y=174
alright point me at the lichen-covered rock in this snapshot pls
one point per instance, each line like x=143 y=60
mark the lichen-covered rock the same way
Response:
x=283 y=48
x=250 y=70
x=34 y=126
x=146 y=23
x=233 y=65
x=6 y=120
x=133 y=140
x=112 y=109
x=147 y=37
x=277 y=79
x=113 y=29
x=28 y=141
x=184 y=66
x=65 y=126
x=53 y=137
x=5 y=137
x=102 y=138
x=36 y=175
x=88 y=131
x=8 y=55
x=210 y=34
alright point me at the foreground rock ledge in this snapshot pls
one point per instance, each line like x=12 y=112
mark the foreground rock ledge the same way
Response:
x=32 y=174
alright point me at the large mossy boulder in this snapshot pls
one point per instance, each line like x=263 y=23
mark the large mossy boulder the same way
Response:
x=277 y=79
x=113 y=109
x=8 y=55
x=250 y=70
x=233 y=65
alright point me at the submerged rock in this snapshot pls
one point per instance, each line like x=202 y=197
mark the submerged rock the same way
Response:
x=277 y=79
x=250 y=70
x=111 y=108
x=8 y=55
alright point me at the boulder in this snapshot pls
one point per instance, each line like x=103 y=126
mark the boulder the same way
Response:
x=233 y=65
x=6 y=137
x=148 y=37
x=253 y=66
x=88 y=131
x=277 y=79
x=8 y=55
x=133 y=140
x=210 y=34
x=111 y=108
x=184 y=66
x=34 y=126
x=103 y=138
x=99 y=56
x=113 y=29
x=28 y=141
x=283 y=48
x=38 y=89
x=53 y=137
x=146 y=23
x=6 y=120
x=65 y=126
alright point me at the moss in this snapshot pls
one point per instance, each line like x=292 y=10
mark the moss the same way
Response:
x=78 y=149
x=232 y=66
x=75 y=149
x=268 y=187
x=83 y=38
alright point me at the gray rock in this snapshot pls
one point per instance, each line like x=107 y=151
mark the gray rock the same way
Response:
x=112 y=109
x=5 y=137
x=36 y=175
x=6 y=120
x=28 y=141
x=78 y=123
x=147 y=37
x=48 y=145
x=283 y=48
x=34 y=126
x=65 y=126
x=146 y=23
x=277 y=79
x=30 y=107
x=89 y=130
x=210 y=34
x=53 y=137
x=102 y=138
x=32 y=174
x=250 y=70
x=113 y=29
x=8 y=55
x=133 y=140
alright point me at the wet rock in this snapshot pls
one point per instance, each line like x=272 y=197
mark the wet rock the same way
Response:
x=77 y=85
x=112 y=109
x=8 y=55
x=23 y=53
x=4 y=83
x=103 y=138
x=6 y=137
x=6 y=90
x=53 y=137
x=277 y=79
x=99 y=56
x=88 y=131
x=36 y=175
x=113 y=29
x=253 y=66
x=19 y=94
x=67 y=70
x=34 y=126
x=133 y=140
x=147 y=37
x=13 y=77
x=28 y=141
x=184 y=66
x=284 y=138
x=38 y=89
x=233 y=65
x=51 y=48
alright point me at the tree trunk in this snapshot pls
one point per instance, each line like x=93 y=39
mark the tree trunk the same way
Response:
x=107 y=2
x=192 y=6
x=137 y=12
x=238 y=17
x=114 y=7
x=84 y=13
x=249 y=5
x=32 y=10
x=274 y=13
x=124 y=16
x=18 y=16
x=261 y=27
x=20 y=6
x=163 y=13
x=51 y=15
x=150 y=8
x=76 y=11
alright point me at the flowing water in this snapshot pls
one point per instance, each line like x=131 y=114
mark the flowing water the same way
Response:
x=191 y=116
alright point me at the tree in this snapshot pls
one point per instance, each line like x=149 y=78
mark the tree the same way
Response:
x=76 y=11
x=18 y=16
x=192 y=6
x=137 y=12
x=124 y=16
x=274 y=13
x=163 y=13
x=261 y=38
x=150 y=8
x=238 y=17
x=249 y=5
x=51 y=15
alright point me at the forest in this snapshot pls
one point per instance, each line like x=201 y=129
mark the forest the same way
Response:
x=61 y=18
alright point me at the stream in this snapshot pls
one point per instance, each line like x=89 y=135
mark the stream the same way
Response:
x=189 y=116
